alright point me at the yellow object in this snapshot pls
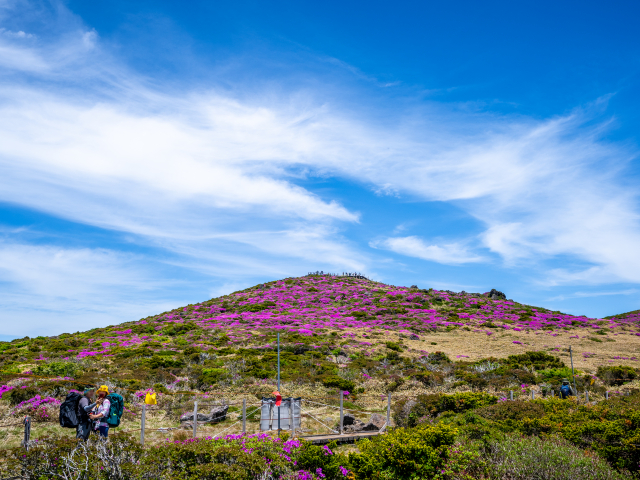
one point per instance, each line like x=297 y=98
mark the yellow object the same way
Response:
x=150 y=399
x=103 y=388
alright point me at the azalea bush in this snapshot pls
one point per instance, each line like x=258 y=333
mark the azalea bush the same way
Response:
x=234 y=457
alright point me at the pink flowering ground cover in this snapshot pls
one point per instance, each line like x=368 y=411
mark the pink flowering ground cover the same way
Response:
x=341 y=332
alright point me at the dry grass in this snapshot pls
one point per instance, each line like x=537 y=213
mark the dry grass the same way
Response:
x=478 y=345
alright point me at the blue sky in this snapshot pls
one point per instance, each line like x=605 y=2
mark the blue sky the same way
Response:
x=154 y=154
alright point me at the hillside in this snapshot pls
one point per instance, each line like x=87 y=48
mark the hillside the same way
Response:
x=332 y=328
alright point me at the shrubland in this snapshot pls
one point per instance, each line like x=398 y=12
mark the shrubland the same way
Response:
x=448 y=360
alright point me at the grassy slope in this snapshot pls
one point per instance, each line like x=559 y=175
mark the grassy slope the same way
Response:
x=347 y=333
x=321 y=316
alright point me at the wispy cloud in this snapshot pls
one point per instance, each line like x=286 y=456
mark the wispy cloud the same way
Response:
x=412 y=246
x=48 y=289
x=214 y=175
x=628 y=291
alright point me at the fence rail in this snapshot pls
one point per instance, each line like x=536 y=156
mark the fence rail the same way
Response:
x=293 y=423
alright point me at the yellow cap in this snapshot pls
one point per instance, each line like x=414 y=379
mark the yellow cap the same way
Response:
x=103 y=388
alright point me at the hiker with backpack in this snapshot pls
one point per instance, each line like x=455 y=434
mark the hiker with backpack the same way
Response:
x=83 y=429
x=77 y=412
x=565 y=390
x=101 y=410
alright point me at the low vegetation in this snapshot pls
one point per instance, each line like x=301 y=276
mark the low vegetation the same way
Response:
x=451 y=361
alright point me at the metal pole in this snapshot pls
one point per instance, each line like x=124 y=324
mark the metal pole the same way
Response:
x=341 y=413
x=586 y=396
x=27 y=432
x=572 y=372
x=606 y=395
x=510 y=394
x=388 y=410
x=293 y=428
x=533 y=395
x=142 y=422
x=278 y=421
x=195 y=419
x=244 y=415
x=553 y=394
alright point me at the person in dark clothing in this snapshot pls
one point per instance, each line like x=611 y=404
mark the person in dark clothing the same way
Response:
x=84 y=422
x=565 y=390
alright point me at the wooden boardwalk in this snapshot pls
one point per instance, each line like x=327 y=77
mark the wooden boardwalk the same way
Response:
x=344 y=438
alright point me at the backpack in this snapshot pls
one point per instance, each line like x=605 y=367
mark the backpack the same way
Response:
x=116 y=410
x=69 y=410
x=565 y=391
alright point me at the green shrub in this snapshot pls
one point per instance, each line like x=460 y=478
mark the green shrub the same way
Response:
x=211 y=376
x=553 y=375
x=435 y=404
x=57 y=369
x=408 y=453
x=157 y=362
x=18 y=394
x=616 y=375
x=393 y=346
x=525 y=458
x=334 y=381
x=324 y=459
x=190 y=351
x=511 y=411
x=438 y=357
x=537 y=360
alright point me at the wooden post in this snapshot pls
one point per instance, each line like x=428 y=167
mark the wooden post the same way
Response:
x=195 y=419
x=388 y=410
x=142 y=422
x=27 y=432
x=244 y=415
x=341 y=413
x=553 y=394
x=533 y=395
x=606 y=395
x=510 y=394
x=586 y=396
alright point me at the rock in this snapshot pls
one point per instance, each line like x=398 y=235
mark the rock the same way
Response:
x=496 y=295
x=414 y=286
x=413 y=336
x=369 y=427
x=377 y=420
x=350 y=424
x=217 y=414
x=356 y=427
x=348 y=419
x=342 y=359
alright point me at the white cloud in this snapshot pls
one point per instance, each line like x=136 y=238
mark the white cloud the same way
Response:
x=628 y=291
x=47 y=290
x=412 y=246
x=211 y=175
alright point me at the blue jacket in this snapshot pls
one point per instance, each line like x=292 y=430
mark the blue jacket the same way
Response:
x=565 y=391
